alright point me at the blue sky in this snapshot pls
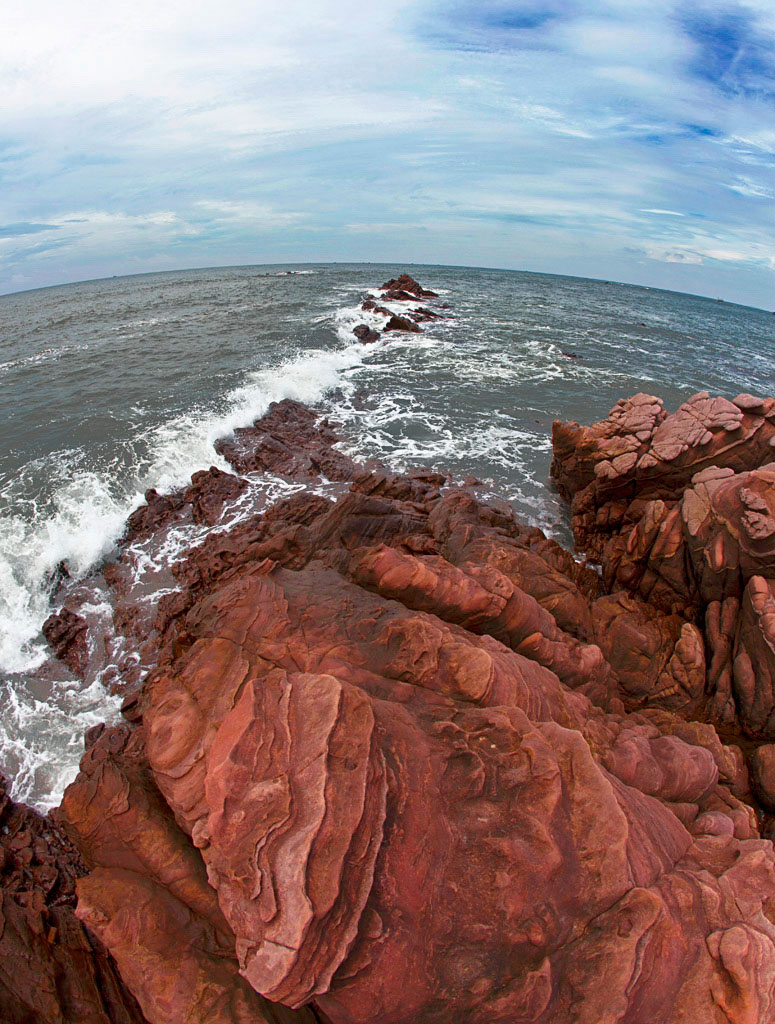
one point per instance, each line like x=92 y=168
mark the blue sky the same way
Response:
x=620 y=139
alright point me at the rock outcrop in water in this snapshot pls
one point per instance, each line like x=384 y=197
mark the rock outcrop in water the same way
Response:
x=400 y=759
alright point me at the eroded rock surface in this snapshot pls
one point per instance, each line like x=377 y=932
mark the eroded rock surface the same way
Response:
x=390 y=732
x=680 y=511
x=399 y=759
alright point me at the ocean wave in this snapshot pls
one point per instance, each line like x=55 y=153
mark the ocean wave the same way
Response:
x=46 y=355
x=87 y=512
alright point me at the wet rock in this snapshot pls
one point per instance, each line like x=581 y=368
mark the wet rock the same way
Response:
x=288 y=441
x=408 y=284
x=68 y=635
x=203 y=500
x=401 y=323
x=399 y=757
x=394 y=724
x=365 y=334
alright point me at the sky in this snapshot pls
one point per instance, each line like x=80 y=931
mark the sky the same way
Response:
x=618 y=139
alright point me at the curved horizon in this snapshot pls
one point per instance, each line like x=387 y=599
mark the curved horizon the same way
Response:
x=619 y=139
x=385 y=263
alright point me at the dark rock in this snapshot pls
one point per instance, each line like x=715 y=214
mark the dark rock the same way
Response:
x=401 y=323
x=365 y=334
x=68 y=636
x=408 y=284
x=763 y=775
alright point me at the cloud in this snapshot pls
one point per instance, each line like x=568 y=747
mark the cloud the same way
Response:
x=666 y=213
x=608 y=139
x=17 y=230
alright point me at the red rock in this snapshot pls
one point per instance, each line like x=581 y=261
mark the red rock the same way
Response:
x=399 y=760
x=401 y=323
x=408 y=284
x=658 y=659
x=365 y=334
x=287 y=440
x=763 y=770
x=203 y=500
x=52 y=970
x=147 y=896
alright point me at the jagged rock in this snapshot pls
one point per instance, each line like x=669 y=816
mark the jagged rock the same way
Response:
x=680 y=510
x=399 y=758
x=408 y=284
x=287 y=440
x=365 y=334
x=657 y=659
x=402 y=323
x=203 y=499
x=68 y=635
x=52 y=970
x=345 y=686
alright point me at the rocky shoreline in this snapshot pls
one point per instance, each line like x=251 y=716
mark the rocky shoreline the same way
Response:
x=391 y=756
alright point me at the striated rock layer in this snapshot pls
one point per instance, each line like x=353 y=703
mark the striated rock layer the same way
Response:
x=680 y=511
x=399 y=759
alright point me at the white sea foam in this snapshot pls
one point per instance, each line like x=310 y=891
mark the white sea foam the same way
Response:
x=88 y=513
x=40 y=733
x=45 y=355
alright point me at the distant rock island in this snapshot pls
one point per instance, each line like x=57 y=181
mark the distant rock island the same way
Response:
x=394 y=757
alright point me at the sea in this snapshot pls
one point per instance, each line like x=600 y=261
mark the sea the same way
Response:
x=113 y=386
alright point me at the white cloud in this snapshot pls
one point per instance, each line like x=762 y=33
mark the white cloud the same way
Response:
x=665 y=213
x=187 y=130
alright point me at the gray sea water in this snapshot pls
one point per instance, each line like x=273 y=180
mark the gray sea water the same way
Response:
x=113 y=386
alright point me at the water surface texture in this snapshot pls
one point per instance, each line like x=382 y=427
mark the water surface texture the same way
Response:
x=110 y=387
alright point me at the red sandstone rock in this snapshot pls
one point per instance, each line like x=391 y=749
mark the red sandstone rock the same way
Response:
x=383 y=769
x=52 y=970
x=365 y=334
x=332 y=724
x=288 y=441
x=204 y=500
x=680 y=510
x=763 y=765
x=658 y=659
x=408 y=284
x=148 y=898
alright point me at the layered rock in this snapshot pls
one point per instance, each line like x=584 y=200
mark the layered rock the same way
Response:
x=680 y=511
x=383 y=728
x=400 y=759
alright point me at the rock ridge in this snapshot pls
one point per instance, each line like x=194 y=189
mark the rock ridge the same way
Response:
x=394 y=757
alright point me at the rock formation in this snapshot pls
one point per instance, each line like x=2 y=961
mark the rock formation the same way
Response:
x=680 y=512
x=399 y=759
x=53 y=970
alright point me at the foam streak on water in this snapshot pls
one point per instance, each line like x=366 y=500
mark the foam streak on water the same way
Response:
x=120 y=385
